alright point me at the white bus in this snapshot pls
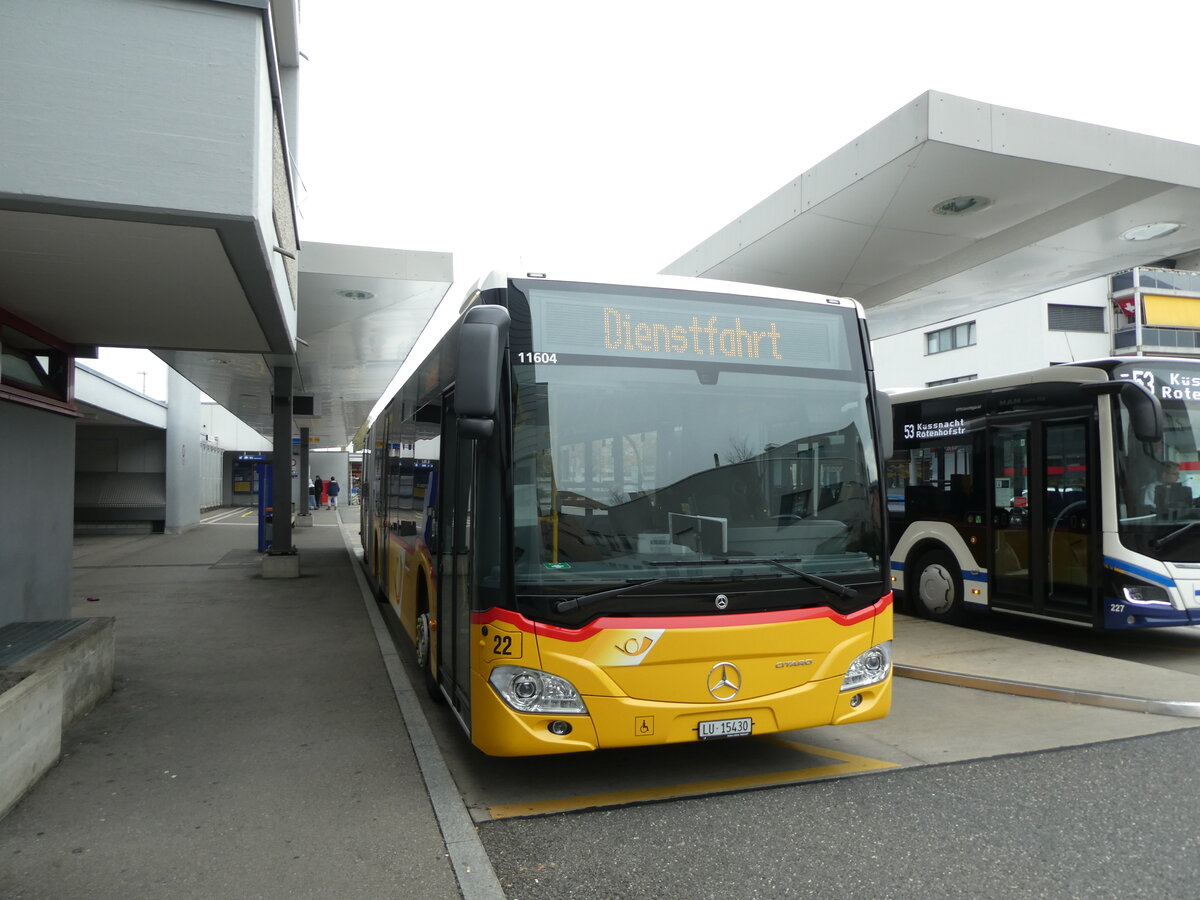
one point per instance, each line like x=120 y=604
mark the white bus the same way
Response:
x=1066 y=493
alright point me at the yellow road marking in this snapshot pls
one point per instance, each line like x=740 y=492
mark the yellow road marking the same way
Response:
x=847 y=764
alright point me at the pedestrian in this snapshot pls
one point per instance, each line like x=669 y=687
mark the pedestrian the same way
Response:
x=334 y=489
x=318 y=491
x=312 y=494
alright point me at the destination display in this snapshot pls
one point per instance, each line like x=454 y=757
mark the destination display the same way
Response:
x=923 y=430
x=685 y=328
x=1166 y=383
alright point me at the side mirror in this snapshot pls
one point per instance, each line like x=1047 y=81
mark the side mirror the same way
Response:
x=883 y=421
x=482 y=340
x=1145 y=412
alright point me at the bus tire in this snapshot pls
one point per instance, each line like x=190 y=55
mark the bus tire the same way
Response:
x=937 y=587
x=425 y=657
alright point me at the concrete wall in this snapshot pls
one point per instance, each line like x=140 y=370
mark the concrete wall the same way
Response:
x=119 y=448
x=229 y=432
x=168 y=94
x=107 y=393
x=120 y=480
x=37 y=465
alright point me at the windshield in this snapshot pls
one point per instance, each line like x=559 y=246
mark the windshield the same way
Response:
x=1159 y=484
x=688 y=470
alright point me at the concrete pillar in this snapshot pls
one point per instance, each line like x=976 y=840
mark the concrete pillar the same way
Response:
x=281 y=560
x=183 y=488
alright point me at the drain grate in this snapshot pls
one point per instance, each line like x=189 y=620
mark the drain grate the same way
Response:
x=20 y=639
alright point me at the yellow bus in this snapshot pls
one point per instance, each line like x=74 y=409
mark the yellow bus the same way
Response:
x=619 y=514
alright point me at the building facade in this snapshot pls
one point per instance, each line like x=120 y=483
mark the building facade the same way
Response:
x=1145 y=311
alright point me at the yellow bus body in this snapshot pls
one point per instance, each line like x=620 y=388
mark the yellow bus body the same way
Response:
x=791 y=665
x=409 y=569
x=645 y=681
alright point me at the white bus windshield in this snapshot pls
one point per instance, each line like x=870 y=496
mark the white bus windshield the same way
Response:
x=1159 y=484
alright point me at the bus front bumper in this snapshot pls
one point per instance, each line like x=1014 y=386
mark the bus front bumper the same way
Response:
x=613 y=722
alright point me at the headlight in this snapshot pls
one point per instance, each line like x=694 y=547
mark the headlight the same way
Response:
x=1146 y=595
x=869 y=668
x=534 y=691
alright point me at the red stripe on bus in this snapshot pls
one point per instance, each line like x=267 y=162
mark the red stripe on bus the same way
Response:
x=678 y=622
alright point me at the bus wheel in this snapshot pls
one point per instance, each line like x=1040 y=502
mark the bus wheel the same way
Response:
x=425 y=657
x=937 y=589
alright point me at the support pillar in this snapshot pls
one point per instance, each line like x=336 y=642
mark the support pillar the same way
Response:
x=281 y=560
x=304 y=516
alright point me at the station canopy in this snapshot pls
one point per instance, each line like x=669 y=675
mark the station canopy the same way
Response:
x=950 y=206
x=361 y=310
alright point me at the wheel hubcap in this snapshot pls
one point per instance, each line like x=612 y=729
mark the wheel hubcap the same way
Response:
x=936 y=589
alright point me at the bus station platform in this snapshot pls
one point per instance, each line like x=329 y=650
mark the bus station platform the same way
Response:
x=253 y=745
x=262 y=739
x=968 y=657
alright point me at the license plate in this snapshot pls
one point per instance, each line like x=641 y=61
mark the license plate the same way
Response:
x=725 y=728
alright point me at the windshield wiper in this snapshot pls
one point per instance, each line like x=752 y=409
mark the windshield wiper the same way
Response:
x=840 y=589
x=588 y=599
x=1159 y=543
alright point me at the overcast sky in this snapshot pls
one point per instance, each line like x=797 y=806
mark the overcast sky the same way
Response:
x=621 y=134
x=624 y=133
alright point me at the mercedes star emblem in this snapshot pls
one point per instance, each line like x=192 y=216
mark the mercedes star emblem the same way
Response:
x=724 y=681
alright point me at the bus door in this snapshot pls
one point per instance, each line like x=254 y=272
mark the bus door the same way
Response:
x=455 y=501
x=1042 y=546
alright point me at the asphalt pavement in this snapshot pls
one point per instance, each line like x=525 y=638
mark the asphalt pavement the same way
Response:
x=1111 y=820
x=263 y=741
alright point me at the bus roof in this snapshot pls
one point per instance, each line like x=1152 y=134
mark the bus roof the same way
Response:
x=1079 y=372
x=499 y=278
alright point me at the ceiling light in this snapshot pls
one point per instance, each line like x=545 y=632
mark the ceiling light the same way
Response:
x=1151 y=231
x=960 y=206
x=351 y=294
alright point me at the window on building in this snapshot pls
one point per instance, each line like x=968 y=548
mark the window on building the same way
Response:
x=1062 y=317
x=951 y=380
x=951 y=338
x=35 y=368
